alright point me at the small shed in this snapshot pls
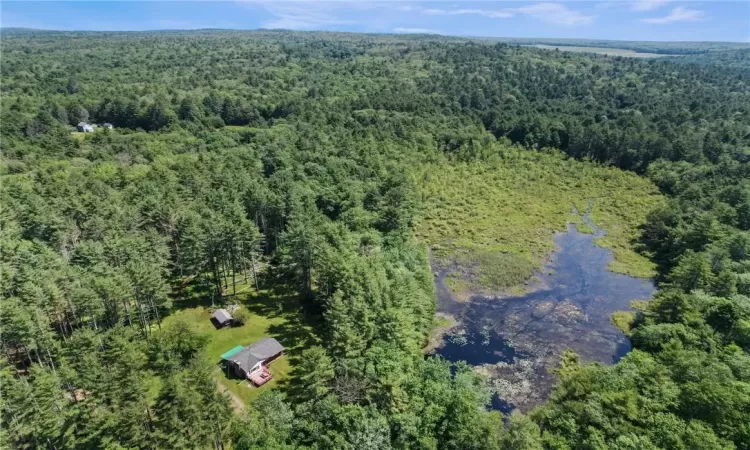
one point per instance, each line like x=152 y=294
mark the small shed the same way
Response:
x=221 y=317
x=84 y=127
x=255 y=357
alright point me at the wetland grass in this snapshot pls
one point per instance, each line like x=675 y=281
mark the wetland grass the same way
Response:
x=492 y=224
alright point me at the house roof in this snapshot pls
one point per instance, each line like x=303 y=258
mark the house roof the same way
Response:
x=258 y=351
x=222 y=315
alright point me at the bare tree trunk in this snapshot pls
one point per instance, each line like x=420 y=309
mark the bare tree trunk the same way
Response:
x=51 y=362
x=234 y=272
x=149 y=424
x=144 y=319
x=178 y=255
x=224 y=272
x=255 y=274
x=217 y=277
x=243 y=261
x=72 y=309
x=59 y=321
x=38 y=357
x=156 y=311
x=127 y=313
x=141 y=318
x=217 y=438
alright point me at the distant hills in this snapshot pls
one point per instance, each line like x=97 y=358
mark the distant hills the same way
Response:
x=658 y=47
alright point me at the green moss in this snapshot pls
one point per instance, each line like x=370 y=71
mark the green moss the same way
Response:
x=624 y=320
x=442 y=322
x=460 y=287
x=581 y=226
x=490 y=270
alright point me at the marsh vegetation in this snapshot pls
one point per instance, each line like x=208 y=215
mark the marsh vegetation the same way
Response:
x=517 y=341
x=490 y=226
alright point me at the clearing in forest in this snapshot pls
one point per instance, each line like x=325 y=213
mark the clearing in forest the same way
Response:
x=490 y=225
x=274 y=312
x=601 y=51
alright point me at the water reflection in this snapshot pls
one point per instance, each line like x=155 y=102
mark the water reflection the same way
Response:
x=517 y=341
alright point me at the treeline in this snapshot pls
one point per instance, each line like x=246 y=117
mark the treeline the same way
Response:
x=664 y=48
x=99 y=234
x=738 y=59
x=211 y=111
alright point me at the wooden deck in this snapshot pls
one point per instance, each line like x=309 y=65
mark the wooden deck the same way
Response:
x=260 y=376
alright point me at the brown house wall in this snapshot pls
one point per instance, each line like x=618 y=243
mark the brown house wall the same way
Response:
x=273 y=358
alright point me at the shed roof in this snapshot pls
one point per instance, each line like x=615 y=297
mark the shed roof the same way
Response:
x=222 y=316
x=232 y=352
x=258 y=351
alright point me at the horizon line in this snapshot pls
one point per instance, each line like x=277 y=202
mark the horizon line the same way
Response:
x=392 y=33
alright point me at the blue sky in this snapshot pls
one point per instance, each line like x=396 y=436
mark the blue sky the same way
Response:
x=628 y=20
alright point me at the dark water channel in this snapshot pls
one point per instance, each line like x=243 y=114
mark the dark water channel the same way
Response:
x=517 y=341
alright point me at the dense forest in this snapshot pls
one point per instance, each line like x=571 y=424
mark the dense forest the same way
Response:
x=294 y=160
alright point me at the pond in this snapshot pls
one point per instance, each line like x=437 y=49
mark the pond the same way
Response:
x=517 y=341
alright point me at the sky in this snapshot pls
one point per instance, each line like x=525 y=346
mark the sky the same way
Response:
x=660 y=20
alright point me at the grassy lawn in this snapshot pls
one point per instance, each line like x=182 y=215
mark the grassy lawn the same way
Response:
x=273 y=312
x=492 y=224
x=79 y=135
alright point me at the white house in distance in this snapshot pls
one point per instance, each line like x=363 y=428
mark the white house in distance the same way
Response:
x=84 y=127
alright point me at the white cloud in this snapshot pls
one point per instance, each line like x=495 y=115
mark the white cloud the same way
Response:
x=549 y=12
x=502 y=14
x=304 y=15
x=555 y=13
x=309 y=15
x=327 y=14
x=415 y=30
x=678 y=14
x=406 y=8
x=648 y=5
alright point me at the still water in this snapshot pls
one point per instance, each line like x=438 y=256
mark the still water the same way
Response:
x=517 y=341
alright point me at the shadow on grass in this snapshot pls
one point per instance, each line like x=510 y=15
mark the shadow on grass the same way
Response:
x=192 y=292
x=300 y=329
x=200 y=291
x=296 y=339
